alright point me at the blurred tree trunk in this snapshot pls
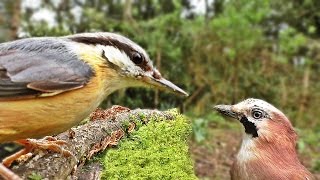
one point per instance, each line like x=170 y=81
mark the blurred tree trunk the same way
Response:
x=284 y=93
x=235 y=79
x=217 y=7
x=305 y=93
x=207 y=8
x=127 y=11
x=127 y=16
x=158 y=65
x=62 y=9
x=15 y=18
x=192 y=98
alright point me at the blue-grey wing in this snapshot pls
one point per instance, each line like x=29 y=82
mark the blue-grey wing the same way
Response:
x=39 y=69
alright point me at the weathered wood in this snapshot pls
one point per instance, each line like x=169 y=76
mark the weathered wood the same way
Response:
x=90 y=171
x=84 y=141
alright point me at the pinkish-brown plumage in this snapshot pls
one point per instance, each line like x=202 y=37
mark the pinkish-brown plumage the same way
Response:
x=268 y=145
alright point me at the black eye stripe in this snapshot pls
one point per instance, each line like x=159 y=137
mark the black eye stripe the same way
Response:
x=110 y=41
x=106 y=41
x=250 y=127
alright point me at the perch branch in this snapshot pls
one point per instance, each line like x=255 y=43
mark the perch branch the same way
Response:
x=84 y=141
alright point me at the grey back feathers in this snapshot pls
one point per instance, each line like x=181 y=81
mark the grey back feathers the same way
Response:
x=30 y=67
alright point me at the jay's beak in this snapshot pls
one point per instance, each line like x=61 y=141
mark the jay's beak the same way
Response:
x=227 y=110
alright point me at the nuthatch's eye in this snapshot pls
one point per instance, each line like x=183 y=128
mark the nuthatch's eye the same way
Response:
x=137 y=58
x=257 y=113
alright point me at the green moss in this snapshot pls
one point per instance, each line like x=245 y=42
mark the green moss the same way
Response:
x=157 y=150
x=34 y=176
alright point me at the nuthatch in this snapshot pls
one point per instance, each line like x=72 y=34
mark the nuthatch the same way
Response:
x=49 y=84
x=268 y=145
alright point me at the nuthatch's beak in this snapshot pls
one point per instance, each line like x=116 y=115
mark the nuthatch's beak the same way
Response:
x=227 y=110
x=163 y=84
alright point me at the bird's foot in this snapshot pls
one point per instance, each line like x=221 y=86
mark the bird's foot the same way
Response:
x=47 y=143
x=101 y=114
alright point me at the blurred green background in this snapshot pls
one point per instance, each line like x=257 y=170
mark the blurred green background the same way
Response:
x=220 y=51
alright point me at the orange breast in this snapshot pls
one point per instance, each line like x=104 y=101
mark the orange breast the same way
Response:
x=39 y=117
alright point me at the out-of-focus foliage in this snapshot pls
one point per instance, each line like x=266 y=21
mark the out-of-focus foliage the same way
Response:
x=308 y=145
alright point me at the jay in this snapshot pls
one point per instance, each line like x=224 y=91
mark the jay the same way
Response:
x=268 y=144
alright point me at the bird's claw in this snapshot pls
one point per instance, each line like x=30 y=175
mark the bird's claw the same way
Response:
x=31 y=145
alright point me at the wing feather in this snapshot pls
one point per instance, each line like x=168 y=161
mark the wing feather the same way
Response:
x=30 y=72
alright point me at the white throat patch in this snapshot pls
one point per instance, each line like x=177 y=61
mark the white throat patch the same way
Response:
x=246 y=151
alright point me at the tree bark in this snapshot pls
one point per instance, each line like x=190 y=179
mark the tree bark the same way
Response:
x=84 y=141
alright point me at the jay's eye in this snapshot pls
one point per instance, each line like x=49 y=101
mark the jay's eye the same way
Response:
x=137 y=58
x=257 y=113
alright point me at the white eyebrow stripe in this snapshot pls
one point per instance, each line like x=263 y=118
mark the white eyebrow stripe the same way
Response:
x=116 y=56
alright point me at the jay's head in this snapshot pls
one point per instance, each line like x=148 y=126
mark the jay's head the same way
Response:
x=261 y=120
x=268 y=146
